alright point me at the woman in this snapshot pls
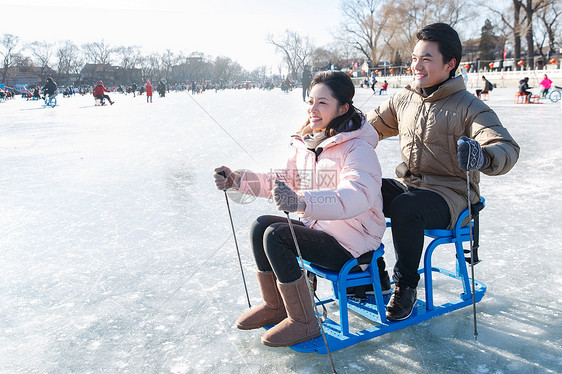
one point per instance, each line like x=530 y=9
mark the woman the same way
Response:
x=148 y=92
x=333 y=182
x=546 y=83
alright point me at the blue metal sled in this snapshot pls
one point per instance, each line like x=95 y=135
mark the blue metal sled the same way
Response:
x=339 y=336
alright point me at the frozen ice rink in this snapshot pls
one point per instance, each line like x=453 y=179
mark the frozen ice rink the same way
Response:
x=117 y=254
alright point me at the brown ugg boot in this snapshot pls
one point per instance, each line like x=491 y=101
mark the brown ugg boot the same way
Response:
x=301 y=324
x=271 y=311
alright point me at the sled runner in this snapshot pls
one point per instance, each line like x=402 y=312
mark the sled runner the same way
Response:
x=100 y=102
x=339 y=336
x=50 y=101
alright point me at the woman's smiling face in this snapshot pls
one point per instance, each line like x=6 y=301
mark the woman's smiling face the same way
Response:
x=323 y=107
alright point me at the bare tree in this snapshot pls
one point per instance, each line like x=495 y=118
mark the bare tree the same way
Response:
x=129 y=56
x=168 y=59
x=9 y=52
x=337 y=54
x=225 y=69
x=550 y=17
x=295 y=49
x=69 y=58
x=100 y=54
x=150 y=66
x=42 y=53
x=321 y=57
x=407 y=17
x=259 y=74
x=523 y=12
x=510 y=18
x=364 y=22
x=530 y=7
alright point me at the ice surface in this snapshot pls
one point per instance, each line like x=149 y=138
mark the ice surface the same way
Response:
x=117 y=253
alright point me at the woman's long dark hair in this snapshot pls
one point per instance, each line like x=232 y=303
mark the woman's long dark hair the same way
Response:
x=343 y=90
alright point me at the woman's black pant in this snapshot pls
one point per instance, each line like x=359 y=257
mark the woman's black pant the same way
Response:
x=274 y=248
x=411 y=211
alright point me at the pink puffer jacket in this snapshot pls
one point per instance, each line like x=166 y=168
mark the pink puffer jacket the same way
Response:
x=342 y=187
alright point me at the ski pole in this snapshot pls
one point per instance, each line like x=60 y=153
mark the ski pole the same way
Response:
x=236 y=243
x=369 y=98
x=471 y=252
x=310 y=290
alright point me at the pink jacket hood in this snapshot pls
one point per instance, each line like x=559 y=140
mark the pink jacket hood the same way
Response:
x=365 y=133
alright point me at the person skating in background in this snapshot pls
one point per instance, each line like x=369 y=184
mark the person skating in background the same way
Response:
x=99 y=93
x=373 y=80
x=333 y=182
x=486 y=87
x=383 y=88
x=161 y=88
x=437 y=121
x=306 y=79
x=524 y=88
x=36 y=93
x=148 y=92
x=546 y=83
x=50 y=88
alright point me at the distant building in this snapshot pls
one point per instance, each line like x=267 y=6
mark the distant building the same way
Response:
x=92 y=73
x=27 y=75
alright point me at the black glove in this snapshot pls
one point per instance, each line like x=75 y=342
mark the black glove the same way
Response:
x=224 y=178
x=470 y=154
x=286 y=199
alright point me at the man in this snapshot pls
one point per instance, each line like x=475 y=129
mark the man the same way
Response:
x=50 y=88
x=524 y=88
x=99 y=93
x=373 y=80
x=486 y=87
x=431 y=117
x=306 y=79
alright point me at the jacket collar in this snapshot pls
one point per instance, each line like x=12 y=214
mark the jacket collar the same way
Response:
x=365 y=132
x=447 y=89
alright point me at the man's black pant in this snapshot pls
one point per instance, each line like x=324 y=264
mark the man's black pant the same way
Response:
x=411 y=212
x=101 y=97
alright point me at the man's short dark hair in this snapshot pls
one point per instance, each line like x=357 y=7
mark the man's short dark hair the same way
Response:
x=448 y=41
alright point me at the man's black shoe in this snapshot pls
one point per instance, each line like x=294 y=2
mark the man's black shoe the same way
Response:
x=401 y=303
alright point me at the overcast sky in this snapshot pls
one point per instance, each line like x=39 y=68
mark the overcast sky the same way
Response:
x=236 y=29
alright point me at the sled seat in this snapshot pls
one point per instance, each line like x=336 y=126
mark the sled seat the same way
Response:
x=534 y=99
x=345 y=278
x=521 y=98
x=374 y=308
x=458 y=235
